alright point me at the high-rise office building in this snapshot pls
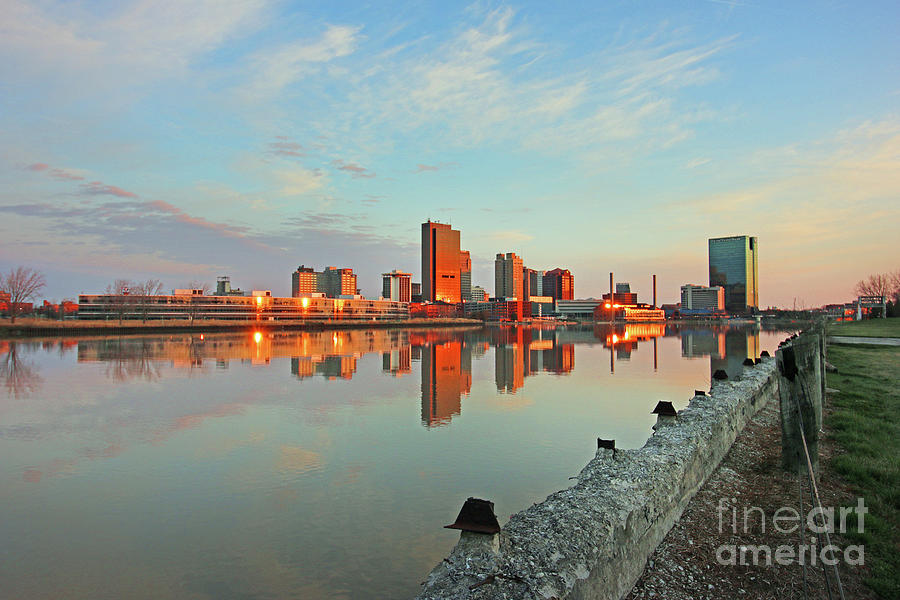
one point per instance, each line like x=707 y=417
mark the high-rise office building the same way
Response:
x=304 y=282
x=559 y=284
x=733 y=264
x=535 y=283
x=332 y=282
x=465 y=275
x=396 y=286
x=335 y=282
x=508 y=276
x=440 y=263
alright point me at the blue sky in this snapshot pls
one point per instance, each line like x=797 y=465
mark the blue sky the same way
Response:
x=188 y=140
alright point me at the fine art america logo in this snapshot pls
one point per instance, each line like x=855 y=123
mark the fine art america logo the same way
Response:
x=787 y=520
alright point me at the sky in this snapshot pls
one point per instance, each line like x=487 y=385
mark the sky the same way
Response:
x=186 y=140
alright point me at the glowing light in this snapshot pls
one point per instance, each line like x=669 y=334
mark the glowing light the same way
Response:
x=258 y=300
x=608 y=305
x=626 y=335
x=615 y=338
x=257 y=337
x=201 y=336
x=304 y=302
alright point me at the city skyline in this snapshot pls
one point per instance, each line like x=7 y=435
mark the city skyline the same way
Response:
x=185 y=142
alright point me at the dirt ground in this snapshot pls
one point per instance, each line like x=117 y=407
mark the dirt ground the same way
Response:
x=685 y=565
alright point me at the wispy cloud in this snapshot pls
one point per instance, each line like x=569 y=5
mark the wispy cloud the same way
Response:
x=354 y=169
x=144 y=40
x=497 y=82
x=98 y=188
x=286 y=147
x=92 y=188
x=422 y=168
x=277 y=68
x=698 y=162
x=299 y=181
x=55 y=173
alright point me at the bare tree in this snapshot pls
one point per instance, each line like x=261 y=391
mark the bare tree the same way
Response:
x=193 y=307
x=198 y=285
x=895 y=286
x=143 y=292
x=120 y=299
x=22 y=284
x=875 y=285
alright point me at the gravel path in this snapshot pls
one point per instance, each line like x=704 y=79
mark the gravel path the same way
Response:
x=685 y=567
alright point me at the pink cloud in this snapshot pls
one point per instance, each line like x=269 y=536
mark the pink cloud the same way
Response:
x=354 y=169
x=420 y=168
x=98 y=188
x=38 y=167
x=285 y=147
x=64 y=175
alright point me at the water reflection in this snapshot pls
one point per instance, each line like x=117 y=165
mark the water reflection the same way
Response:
x=727 y=347
x=199 y=462
x=446 y=355
x=20 y=376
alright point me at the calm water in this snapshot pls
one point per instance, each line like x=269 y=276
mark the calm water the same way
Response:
x=307 y=465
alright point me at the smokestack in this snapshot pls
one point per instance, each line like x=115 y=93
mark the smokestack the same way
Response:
x=654 y=291
x=612 y=292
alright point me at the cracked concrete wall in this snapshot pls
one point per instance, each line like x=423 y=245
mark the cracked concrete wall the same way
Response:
x=592 y=540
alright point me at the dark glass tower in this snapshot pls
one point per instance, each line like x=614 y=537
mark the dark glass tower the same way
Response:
x=733 y=265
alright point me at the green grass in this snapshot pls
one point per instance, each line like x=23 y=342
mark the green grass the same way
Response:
x=865 y=422
x=868 y=328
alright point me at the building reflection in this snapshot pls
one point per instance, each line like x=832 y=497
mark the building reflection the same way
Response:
x=446 y=377
x=331 y=354
x=727 y=347
x=397 y=362
x=446 y=356
x=329 y=367
x=739 y=344
x=622 y=339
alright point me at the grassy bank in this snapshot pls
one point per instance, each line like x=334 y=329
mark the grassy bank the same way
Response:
x=868 y=328
x=864 y=418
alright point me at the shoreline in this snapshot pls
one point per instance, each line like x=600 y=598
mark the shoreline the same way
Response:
x=42 y=328
x=29 y=328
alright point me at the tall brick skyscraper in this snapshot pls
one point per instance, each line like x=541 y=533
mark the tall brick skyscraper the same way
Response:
x=440 y=263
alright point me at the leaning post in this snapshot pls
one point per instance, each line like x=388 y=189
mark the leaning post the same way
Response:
x=800 y=392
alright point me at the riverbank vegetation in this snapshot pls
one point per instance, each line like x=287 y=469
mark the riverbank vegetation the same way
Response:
x=867 y=328
x=864 y=418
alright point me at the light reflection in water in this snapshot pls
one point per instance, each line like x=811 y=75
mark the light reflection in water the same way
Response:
x=302 y=464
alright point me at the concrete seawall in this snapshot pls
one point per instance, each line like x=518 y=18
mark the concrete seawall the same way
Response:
x=592 y=540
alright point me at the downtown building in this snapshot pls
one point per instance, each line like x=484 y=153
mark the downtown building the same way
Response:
x=441 y=280
x=333 y=282
x=465 y=275
x=702 y=300
x=397 y=286
x=508 y=276
x=559 y=284
x=260 y=305
x=733 y=265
